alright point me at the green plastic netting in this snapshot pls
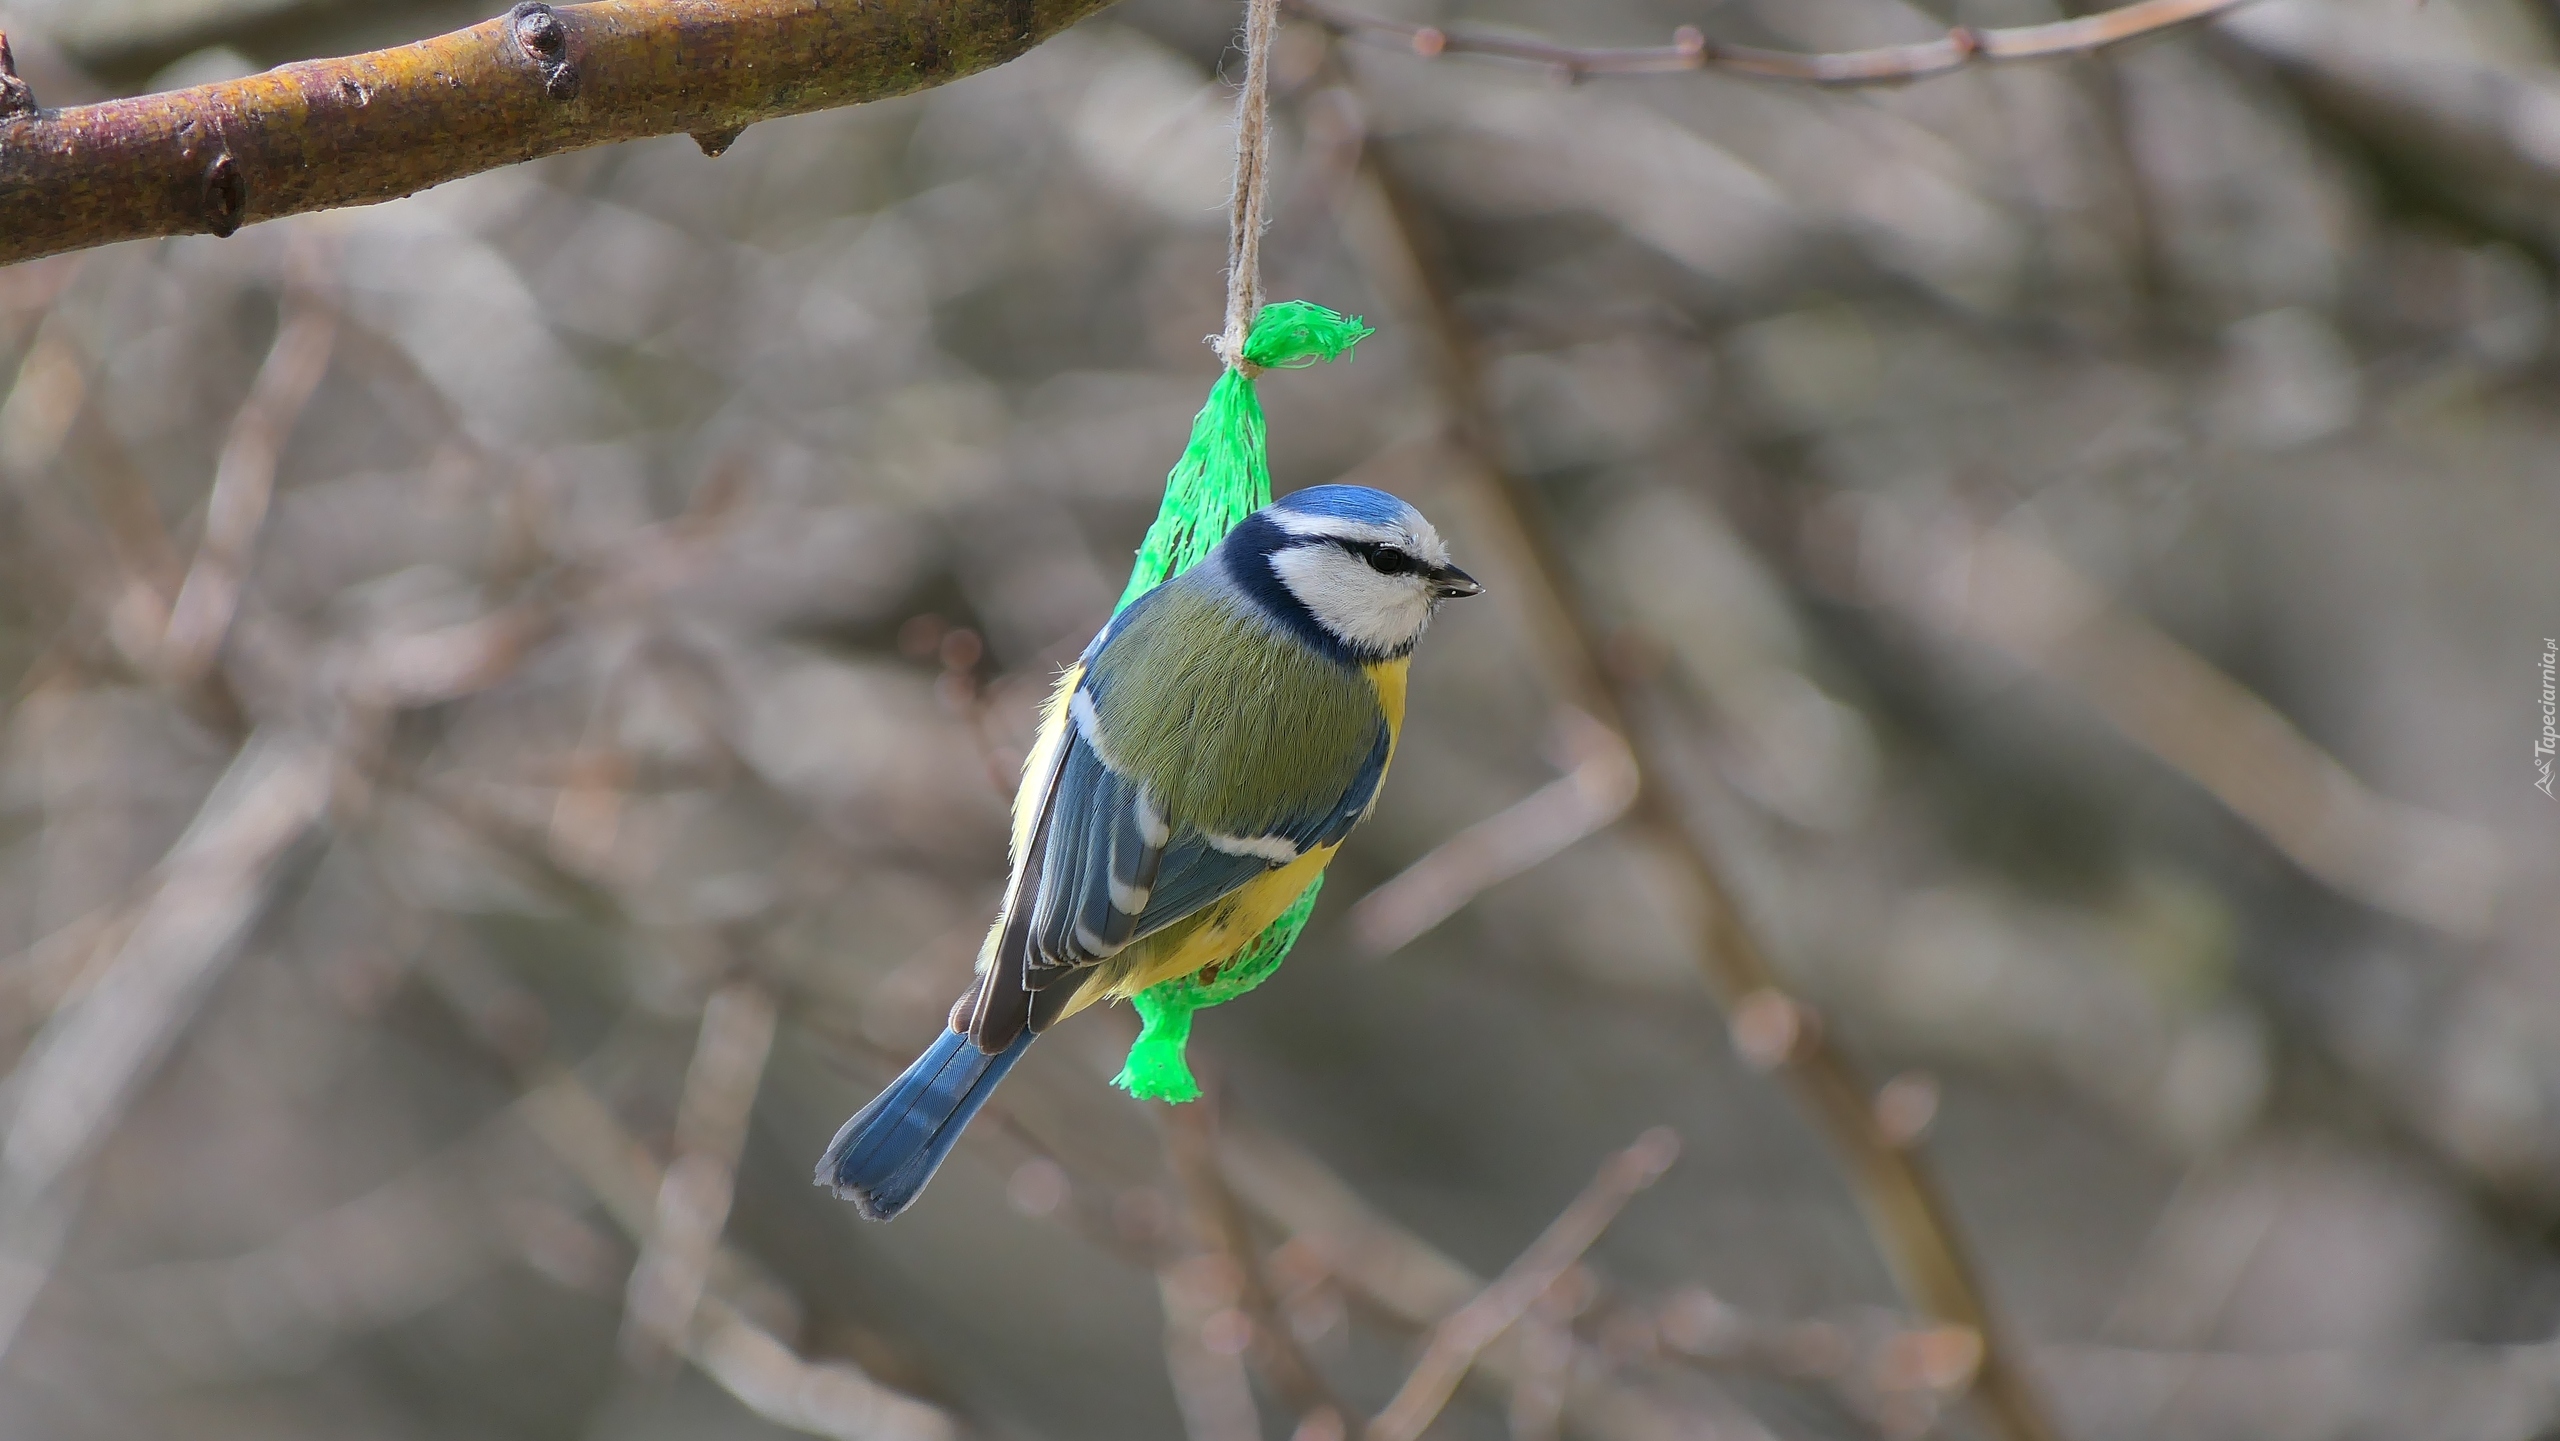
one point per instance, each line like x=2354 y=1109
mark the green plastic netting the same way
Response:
x=1223 y=476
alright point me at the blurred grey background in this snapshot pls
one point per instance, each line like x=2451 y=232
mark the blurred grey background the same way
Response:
x=512 y=694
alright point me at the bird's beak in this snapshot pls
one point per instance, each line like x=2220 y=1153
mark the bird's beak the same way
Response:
x=1449 y=583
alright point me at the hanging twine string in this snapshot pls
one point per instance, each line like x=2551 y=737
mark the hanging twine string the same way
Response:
x=1223 y=476
x=1246 y=217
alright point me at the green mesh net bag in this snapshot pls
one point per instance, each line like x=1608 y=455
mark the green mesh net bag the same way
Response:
x=1223 y=476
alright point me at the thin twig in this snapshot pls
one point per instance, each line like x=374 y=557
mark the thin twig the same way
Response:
x=75 y=1080
x=820 y=1398
x=2111 y=101
x=1546 y=1362
x=1691 y=50
x=1908 y=1217
x=123 y=580
x=750 y=1363
x=1879 y=1365
x=1407 y=1281
x=1327 y=1228
x=387 y=1255
x=2460 y=128
x=86 y=1066
x=1398 y=1278
x=693 y=1198
x=1997 y=587
x=1191 y=1139
x=1457 y=1341
x=125 y=583
x=1530 y=831
x=753 y=1365
x=244 y=479
x=1204 y=1343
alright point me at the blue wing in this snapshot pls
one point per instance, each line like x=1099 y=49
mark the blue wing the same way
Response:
x=1114 y=870
x=1104 y=853
x=1199 y=869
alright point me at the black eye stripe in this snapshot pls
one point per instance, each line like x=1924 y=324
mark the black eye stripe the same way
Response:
x=1382 y=558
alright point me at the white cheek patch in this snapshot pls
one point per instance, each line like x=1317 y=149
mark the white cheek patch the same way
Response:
x=1373 y=612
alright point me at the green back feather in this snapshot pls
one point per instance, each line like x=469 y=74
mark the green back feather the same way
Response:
x=1223 y=476
x=1299 y=754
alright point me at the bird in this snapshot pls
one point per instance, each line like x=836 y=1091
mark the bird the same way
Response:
x=1195 y=770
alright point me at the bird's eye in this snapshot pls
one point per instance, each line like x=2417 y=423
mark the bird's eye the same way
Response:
x=1386 y=559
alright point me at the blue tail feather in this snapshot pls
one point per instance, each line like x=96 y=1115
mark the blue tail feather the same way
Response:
x=890 y=1148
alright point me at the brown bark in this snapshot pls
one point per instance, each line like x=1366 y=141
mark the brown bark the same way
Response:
x=539 y=80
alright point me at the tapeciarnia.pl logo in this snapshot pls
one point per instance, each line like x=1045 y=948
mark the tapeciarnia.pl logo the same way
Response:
x=2549 y=741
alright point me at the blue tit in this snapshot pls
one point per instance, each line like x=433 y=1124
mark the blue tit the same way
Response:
x=1196 y=769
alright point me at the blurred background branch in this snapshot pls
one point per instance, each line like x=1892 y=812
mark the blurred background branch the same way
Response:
x=1598 y=788
x=1690 y=48
x=1464 y=1333
x=2060 y=551
x=2001 y=589
x=1774 y=1032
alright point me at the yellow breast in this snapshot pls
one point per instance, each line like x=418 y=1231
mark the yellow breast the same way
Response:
x=1211 y=937
x=1388 y=677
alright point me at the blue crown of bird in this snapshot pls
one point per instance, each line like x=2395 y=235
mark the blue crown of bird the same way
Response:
x=1195 y=771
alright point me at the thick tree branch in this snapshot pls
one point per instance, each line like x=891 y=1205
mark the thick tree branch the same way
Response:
x=537 y=81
